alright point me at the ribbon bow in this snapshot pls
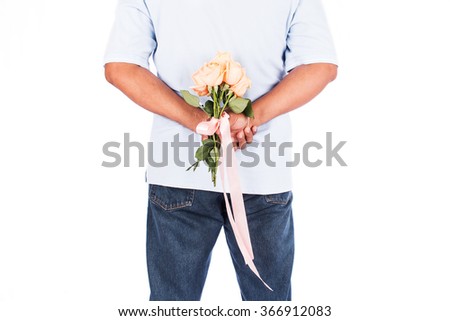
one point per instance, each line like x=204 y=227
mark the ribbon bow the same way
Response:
x=239 y=219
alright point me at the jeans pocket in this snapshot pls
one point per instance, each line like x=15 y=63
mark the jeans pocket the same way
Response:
x=171 y=198
x=279 y=198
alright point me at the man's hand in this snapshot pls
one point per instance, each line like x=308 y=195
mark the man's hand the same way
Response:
x=242 y=130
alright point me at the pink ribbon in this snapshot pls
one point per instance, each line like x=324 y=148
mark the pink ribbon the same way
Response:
x=239 y=219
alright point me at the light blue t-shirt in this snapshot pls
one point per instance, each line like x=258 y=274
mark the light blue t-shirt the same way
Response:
x=268 y=38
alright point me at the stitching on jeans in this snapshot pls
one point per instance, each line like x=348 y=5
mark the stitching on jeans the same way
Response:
x=168 y=207
x=277 y=199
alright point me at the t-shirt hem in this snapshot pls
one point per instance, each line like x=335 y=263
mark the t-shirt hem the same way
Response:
x=302 y=61
x=128 y=59
x=261 y=190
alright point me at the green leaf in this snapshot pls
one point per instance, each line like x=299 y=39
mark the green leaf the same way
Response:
x=199 y=153
x=249 y=110
x=190 y=99
x=214 y=153
x=210 y=162
x=203 y=152
x=208 y=142
x=213 y=158
x=194 y=166
x=238 y=105
x=209 y=107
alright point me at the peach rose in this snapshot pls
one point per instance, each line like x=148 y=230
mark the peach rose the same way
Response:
x=234 y=73
x=241 y=87
x=211 y=74
x=222 y=58
x=201 y=90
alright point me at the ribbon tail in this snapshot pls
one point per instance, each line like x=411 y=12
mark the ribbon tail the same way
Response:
x=239 y=220
x=252 y=267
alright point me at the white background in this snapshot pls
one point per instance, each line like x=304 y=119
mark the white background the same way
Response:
x=372 y=239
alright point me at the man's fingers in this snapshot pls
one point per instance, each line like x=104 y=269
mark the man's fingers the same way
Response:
x=241 y=139
x=248 y=135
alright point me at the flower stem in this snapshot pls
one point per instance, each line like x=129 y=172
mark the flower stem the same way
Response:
x=216 y=104
x=225 y=105
x=221 y=94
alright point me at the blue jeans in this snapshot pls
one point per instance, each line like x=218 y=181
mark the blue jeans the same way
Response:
x=183 y=226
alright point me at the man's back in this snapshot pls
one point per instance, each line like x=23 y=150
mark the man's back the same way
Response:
x=267 y=37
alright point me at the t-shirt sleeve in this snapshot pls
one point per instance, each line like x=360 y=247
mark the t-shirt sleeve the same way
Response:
x=132 y=37
x=309 y=39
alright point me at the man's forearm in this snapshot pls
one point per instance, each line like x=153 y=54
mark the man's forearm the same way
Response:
x=300 y=86
x=149 y=92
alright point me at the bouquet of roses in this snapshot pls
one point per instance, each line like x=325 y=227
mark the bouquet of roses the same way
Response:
x=224 y=82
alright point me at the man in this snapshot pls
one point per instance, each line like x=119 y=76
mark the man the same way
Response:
x=287 y=51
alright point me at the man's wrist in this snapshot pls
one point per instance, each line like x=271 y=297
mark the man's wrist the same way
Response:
x=196 y=116
x=257 y=119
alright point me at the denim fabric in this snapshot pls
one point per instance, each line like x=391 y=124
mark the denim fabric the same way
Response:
x=183 y=226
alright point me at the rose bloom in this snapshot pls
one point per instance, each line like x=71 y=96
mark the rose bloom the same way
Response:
x=222 y=68
x=222 y=58
x=234 y=73
x=241 y=87
x=201 y=90
x=211 y=74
